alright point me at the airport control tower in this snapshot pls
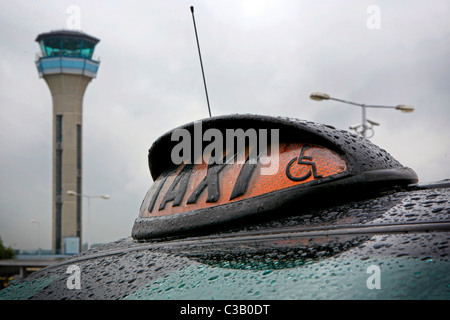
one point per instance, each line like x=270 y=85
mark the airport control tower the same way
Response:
x=66 y=63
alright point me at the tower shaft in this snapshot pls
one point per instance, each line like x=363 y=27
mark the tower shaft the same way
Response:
x=67 y=95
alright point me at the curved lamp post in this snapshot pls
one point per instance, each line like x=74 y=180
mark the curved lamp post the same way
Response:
x=73 y=193
x=319 y=96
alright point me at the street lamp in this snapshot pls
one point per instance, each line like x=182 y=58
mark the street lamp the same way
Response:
x=404 y=108
x=39 y=235
x=73 y=193
x=319 y=96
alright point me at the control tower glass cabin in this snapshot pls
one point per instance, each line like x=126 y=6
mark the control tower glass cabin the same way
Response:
x=66 y=63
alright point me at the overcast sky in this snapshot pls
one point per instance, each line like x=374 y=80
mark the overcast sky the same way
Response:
x=260 y=56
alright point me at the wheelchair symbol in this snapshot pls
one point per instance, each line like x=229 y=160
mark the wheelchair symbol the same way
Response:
x=301 y=160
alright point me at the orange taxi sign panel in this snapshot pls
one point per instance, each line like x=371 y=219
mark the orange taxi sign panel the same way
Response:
x=198 y=186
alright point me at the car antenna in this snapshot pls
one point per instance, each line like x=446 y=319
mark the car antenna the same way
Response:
x=201 y=63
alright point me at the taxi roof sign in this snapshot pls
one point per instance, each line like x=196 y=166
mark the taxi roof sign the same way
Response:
x=308 y=161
